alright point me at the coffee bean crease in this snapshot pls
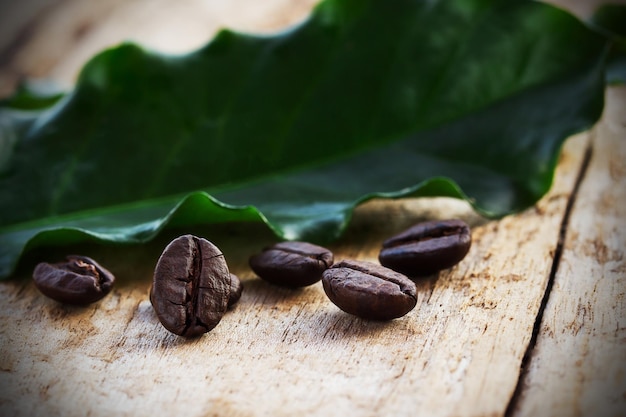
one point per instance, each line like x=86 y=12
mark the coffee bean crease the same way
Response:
x=291 y=264
x=78 y=280
x=191 y=286
x=368 y=290
x=427 y=247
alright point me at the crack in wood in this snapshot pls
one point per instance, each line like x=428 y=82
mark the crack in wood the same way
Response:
x=558 y=252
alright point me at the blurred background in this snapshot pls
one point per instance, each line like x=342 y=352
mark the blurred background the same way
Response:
x=52 y=39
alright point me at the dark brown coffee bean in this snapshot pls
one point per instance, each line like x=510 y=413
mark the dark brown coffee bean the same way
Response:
x=427 y=248
x=236 y=289
x=292 y=264
x=369 y=290
x=79 y=280
x=191 y=286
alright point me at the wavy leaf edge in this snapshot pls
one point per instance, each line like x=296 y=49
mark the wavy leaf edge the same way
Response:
x=43 y=235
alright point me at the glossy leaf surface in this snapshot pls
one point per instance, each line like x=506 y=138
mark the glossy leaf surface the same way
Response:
x=465 y=98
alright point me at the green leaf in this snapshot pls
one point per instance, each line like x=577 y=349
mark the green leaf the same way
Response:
x=367 y=98
x=610 y=19
x=33 y=95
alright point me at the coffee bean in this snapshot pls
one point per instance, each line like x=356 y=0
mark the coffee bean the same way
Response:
x=236 y=289
x=427 y=248
x=191 y=286
x=79 y=280
x=292 y=264
x=369 y=290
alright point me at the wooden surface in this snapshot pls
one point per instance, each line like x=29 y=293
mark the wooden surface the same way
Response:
x=531 y=323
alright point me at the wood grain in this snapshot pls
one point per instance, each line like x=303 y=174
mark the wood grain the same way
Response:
x=578 y=366
x=282 y=352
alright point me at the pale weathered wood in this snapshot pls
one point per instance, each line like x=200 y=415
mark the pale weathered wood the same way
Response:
x=281 y=352
x=578 y=366
x=278 y=352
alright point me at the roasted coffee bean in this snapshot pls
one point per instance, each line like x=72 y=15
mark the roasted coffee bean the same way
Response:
x=427 y=248
x=292 y=264
x=191 y=286
x=369 y=290
x=79 y=280
x=236 y=289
